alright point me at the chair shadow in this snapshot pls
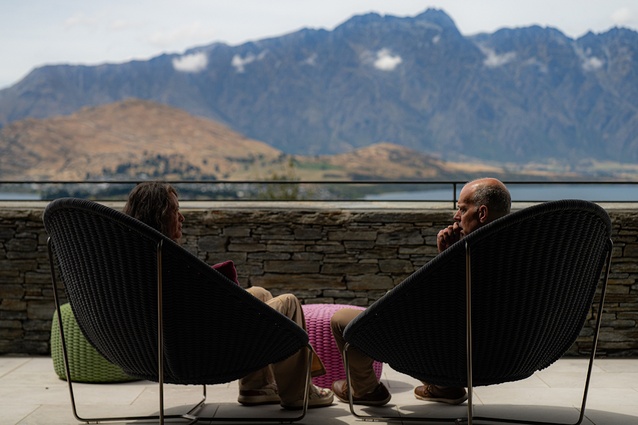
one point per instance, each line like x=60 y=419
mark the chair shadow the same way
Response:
x=511 y=412
x=237 y=413
x=398 y=387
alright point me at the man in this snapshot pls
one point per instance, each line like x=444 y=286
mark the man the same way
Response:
x=480 y=202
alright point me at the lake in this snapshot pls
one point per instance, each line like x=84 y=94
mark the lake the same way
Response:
x=15 y=196
x=603 y=192
x=529 y=192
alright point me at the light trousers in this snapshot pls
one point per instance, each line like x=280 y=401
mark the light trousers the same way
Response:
x=362 y=375
x=289 y=374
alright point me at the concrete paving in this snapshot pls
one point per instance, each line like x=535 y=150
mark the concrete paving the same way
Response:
x=32 y=394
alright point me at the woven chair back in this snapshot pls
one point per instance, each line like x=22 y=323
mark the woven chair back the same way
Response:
x=534 y=274
x=214 y=331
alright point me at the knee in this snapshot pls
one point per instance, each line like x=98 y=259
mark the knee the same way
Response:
x=290 y=301
x=286 y=304
x=341 y=318
x=260 y=293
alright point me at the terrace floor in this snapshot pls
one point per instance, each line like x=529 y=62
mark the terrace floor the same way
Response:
x=31 y=393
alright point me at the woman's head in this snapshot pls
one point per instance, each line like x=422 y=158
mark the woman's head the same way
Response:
x=155 y=204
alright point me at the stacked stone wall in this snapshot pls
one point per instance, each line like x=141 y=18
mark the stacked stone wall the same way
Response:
x=321 y=254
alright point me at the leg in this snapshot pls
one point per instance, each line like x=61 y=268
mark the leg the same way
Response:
x=288 y=372
x=364 y=380
x=366 y=390
x=260 y=293
x=259 y=387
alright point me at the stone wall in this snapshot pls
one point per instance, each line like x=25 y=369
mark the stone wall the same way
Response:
x=320 y=253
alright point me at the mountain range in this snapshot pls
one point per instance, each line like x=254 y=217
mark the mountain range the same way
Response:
x=515 y=95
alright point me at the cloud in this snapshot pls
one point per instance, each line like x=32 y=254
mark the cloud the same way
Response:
x=98 y=21
x=185 y=34
x=193 y=63
x=535 y=62
x=121 y=24
x=593 y=63
x=494 y=60
x=239 y=63
x=622 y=16
x=588 y=61
x=79 y=20
x=386 y=61
x=311 y=60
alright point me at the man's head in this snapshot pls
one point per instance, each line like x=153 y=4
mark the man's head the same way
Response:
x=155 y=204
x=480 y=202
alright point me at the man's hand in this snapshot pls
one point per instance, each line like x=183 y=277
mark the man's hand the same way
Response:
x=448 y=236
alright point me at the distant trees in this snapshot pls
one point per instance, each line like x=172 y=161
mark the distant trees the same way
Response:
x=287 y=190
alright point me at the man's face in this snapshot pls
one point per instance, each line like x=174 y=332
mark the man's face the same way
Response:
x=468 y=214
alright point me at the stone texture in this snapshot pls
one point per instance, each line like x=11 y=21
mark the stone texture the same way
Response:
x=322 y=255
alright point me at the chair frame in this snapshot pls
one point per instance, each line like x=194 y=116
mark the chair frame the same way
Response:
x=470 y=389
x=190 y=415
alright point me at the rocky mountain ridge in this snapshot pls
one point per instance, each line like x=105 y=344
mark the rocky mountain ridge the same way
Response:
x=516 y=95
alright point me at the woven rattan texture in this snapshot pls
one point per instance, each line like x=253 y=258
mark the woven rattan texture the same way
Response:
x=534 y=277
x=214 y=331
x=85 y=363
x=318 y=326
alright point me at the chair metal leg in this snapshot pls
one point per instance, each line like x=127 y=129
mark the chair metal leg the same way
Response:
x=280 y=419
x=387 y=418
x=67 y=367
x=592 y=355
x=469 y=367
x=160 y=334
x=468 y=333
x=161 y=416
x=470 y=415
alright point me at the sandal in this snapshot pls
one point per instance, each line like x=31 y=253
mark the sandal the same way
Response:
x=318 y=397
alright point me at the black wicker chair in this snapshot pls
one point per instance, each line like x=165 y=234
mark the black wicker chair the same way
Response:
x=532 y=276
x=155 y=310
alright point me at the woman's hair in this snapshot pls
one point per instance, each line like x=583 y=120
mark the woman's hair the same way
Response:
x=151 y=203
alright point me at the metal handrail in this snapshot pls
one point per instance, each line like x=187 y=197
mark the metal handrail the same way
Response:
x=254 y=181
x=454 y=185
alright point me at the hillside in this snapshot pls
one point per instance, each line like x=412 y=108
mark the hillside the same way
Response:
x=126 y=139
x=136 y=139
x=516 y=95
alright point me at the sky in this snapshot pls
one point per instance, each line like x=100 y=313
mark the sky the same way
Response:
x=34 y=33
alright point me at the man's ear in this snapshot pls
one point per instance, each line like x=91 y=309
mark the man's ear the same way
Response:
x=483 y=213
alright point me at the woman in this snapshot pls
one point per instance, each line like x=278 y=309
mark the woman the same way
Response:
x=156 y=204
